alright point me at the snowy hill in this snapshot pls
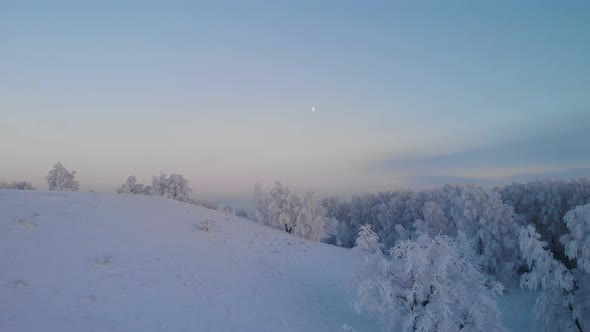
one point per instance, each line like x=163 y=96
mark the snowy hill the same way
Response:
x=99 y=262
x=96 y=262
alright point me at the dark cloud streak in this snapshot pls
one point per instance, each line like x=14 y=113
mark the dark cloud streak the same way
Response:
x=558 y=145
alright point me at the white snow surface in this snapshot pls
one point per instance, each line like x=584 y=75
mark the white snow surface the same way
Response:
x=100 y=262
x=106 y=262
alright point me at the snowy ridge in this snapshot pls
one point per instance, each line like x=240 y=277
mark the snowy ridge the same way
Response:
x=100 y=262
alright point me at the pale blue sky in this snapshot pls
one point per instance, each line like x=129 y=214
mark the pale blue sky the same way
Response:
x=222 y=92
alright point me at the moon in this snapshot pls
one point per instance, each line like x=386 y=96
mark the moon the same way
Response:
x=313 y=109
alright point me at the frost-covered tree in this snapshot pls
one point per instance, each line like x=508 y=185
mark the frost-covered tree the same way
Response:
x=425 y=285
x=556 y=303
x=178 y=188
x=174 y=186
x=362 y=213
x=262 y=203
x=159 y=185
x=368 y=242
x=335 y=208
x=132 y=187
x=59 y=178
x=21 y=185
x=492 y=227
x=311 y=222
x=283 y=207
x=303 y=216
x=339 y=213
x=129 y=186
x=435 y=222
x=577 y=242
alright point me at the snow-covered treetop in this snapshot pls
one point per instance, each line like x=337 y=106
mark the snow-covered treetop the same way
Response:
x=368 y=241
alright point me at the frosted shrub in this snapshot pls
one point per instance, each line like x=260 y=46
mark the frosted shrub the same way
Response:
x=207 y=225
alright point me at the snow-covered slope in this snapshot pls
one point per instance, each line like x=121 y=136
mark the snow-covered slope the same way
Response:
x=99 y=262
x=96 y=262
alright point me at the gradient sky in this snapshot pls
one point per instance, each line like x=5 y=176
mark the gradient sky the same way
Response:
x=407 y=93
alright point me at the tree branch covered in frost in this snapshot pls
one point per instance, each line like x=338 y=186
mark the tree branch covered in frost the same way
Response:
x=59 y=178
x=424 y=285
x=283 y=207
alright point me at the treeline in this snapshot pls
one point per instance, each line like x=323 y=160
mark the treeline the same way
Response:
x=21 y=185
x=399 y=215
x=537 y=234
x=478 y=214
x=173 y=186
